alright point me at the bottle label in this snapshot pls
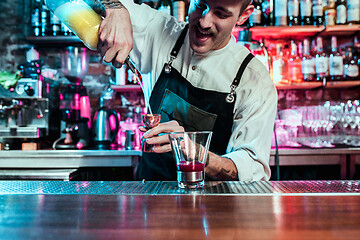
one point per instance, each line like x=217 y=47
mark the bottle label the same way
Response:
x=321 y=65
x=336 y=66
x=308 y=66
x=353 y=15
x=293 y=8
x=305 y=8
x=318 y=11
x=351 y=4
x=279 y=70
x=295 y=71
x=255 y=17
x=330 y=17
x=281 y=10
x=341 y=14
x=352 y=71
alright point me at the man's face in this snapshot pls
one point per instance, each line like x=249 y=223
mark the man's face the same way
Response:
x=211 y=23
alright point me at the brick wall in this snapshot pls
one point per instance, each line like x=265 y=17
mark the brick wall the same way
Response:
x=12 y=44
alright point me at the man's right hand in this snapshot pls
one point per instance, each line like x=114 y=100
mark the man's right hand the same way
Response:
x=115 y=34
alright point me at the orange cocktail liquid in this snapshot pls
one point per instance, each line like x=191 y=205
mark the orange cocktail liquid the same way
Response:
x=82 y=20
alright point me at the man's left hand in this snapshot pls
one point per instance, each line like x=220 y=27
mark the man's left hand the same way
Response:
x=158 y=135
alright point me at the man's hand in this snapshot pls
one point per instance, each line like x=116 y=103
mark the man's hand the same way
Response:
x=157 y=137
x=115 y=33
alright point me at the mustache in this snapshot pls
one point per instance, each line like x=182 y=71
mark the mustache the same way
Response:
x=206 y=30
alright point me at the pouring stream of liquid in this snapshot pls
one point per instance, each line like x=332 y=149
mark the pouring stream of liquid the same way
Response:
x=139 y=80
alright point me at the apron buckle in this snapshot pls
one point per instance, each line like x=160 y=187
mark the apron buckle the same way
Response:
x=168 y=65
x=231 y=96
x=167 y=68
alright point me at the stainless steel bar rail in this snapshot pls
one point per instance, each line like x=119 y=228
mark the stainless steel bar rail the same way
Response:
x=170 y=188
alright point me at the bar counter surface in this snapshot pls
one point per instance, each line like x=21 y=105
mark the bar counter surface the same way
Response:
x=160 y=210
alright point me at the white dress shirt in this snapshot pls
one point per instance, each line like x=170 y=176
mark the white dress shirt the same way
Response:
x=155 y=34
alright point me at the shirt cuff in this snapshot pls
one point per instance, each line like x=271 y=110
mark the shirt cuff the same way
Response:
x=248 y=168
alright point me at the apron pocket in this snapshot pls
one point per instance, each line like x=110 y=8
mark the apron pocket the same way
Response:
x=173 y=107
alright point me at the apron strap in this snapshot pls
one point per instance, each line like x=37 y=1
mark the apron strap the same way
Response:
x=242 y=69
x=230 y=98
x=179 y=42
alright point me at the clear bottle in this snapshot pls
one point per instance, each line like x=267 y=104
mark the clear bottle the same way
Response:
x=280 y=8
x=305 y=12
x=330 y=13
x=45 y=21
x=294 y=65
x=308 y=63
x=178 y=9
x=261 y=54
x=255 y=17
x=165 y=6
x=351 y=69
x=267 y=7
x=336 y=65
x=55 y=25
x=341 y=11
x=353 y=12
x=357 y=51
x=279 y=68
x=321 y=61
x=318 y=12
x=36 y=17
x=293 y=13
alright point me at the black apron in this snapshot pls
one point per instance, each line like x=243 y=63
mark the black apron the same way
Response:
x=195 y=109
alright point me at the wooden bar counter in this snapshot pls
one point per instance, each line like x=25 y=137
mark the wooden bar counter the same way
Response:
x=159 y=210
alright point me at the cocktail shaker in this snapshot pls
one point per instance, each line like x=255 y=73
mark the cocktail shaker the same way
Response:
x=79 y=17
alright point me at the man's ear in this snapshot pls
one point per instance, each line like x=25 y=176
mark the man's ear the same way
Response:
x=245 y=15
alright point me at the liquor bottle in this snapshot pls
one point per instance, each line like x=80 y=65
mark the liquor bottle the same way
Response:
x=178 y=10
x=336 y=65
x=351 y=69
x=45 y=21
x=330 y=13
x=321 y=61
x=305 y=12
x=165 y=6
x=65 y=30
x=357 y=51
x=267 y=18
x=294 y=65
x=293 y=12
x=280 y=8
x=308 y=63
x=318 y=12
x=55 y=25
x=35 y=22
x=279 y=68
x=340 y=6
x=260 y=52
x=353 y=12
x=35 y=17
x=255 y=17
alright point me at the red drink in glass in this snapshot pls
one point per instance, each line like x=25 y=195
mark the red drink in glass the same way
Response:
x=187 y=166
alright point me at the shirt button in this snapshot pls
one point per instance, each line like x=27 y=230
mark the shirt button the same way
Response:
x=193 y=68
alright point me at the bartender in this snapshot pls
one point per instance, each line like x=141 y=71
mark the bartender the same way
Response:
x=203 y=80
